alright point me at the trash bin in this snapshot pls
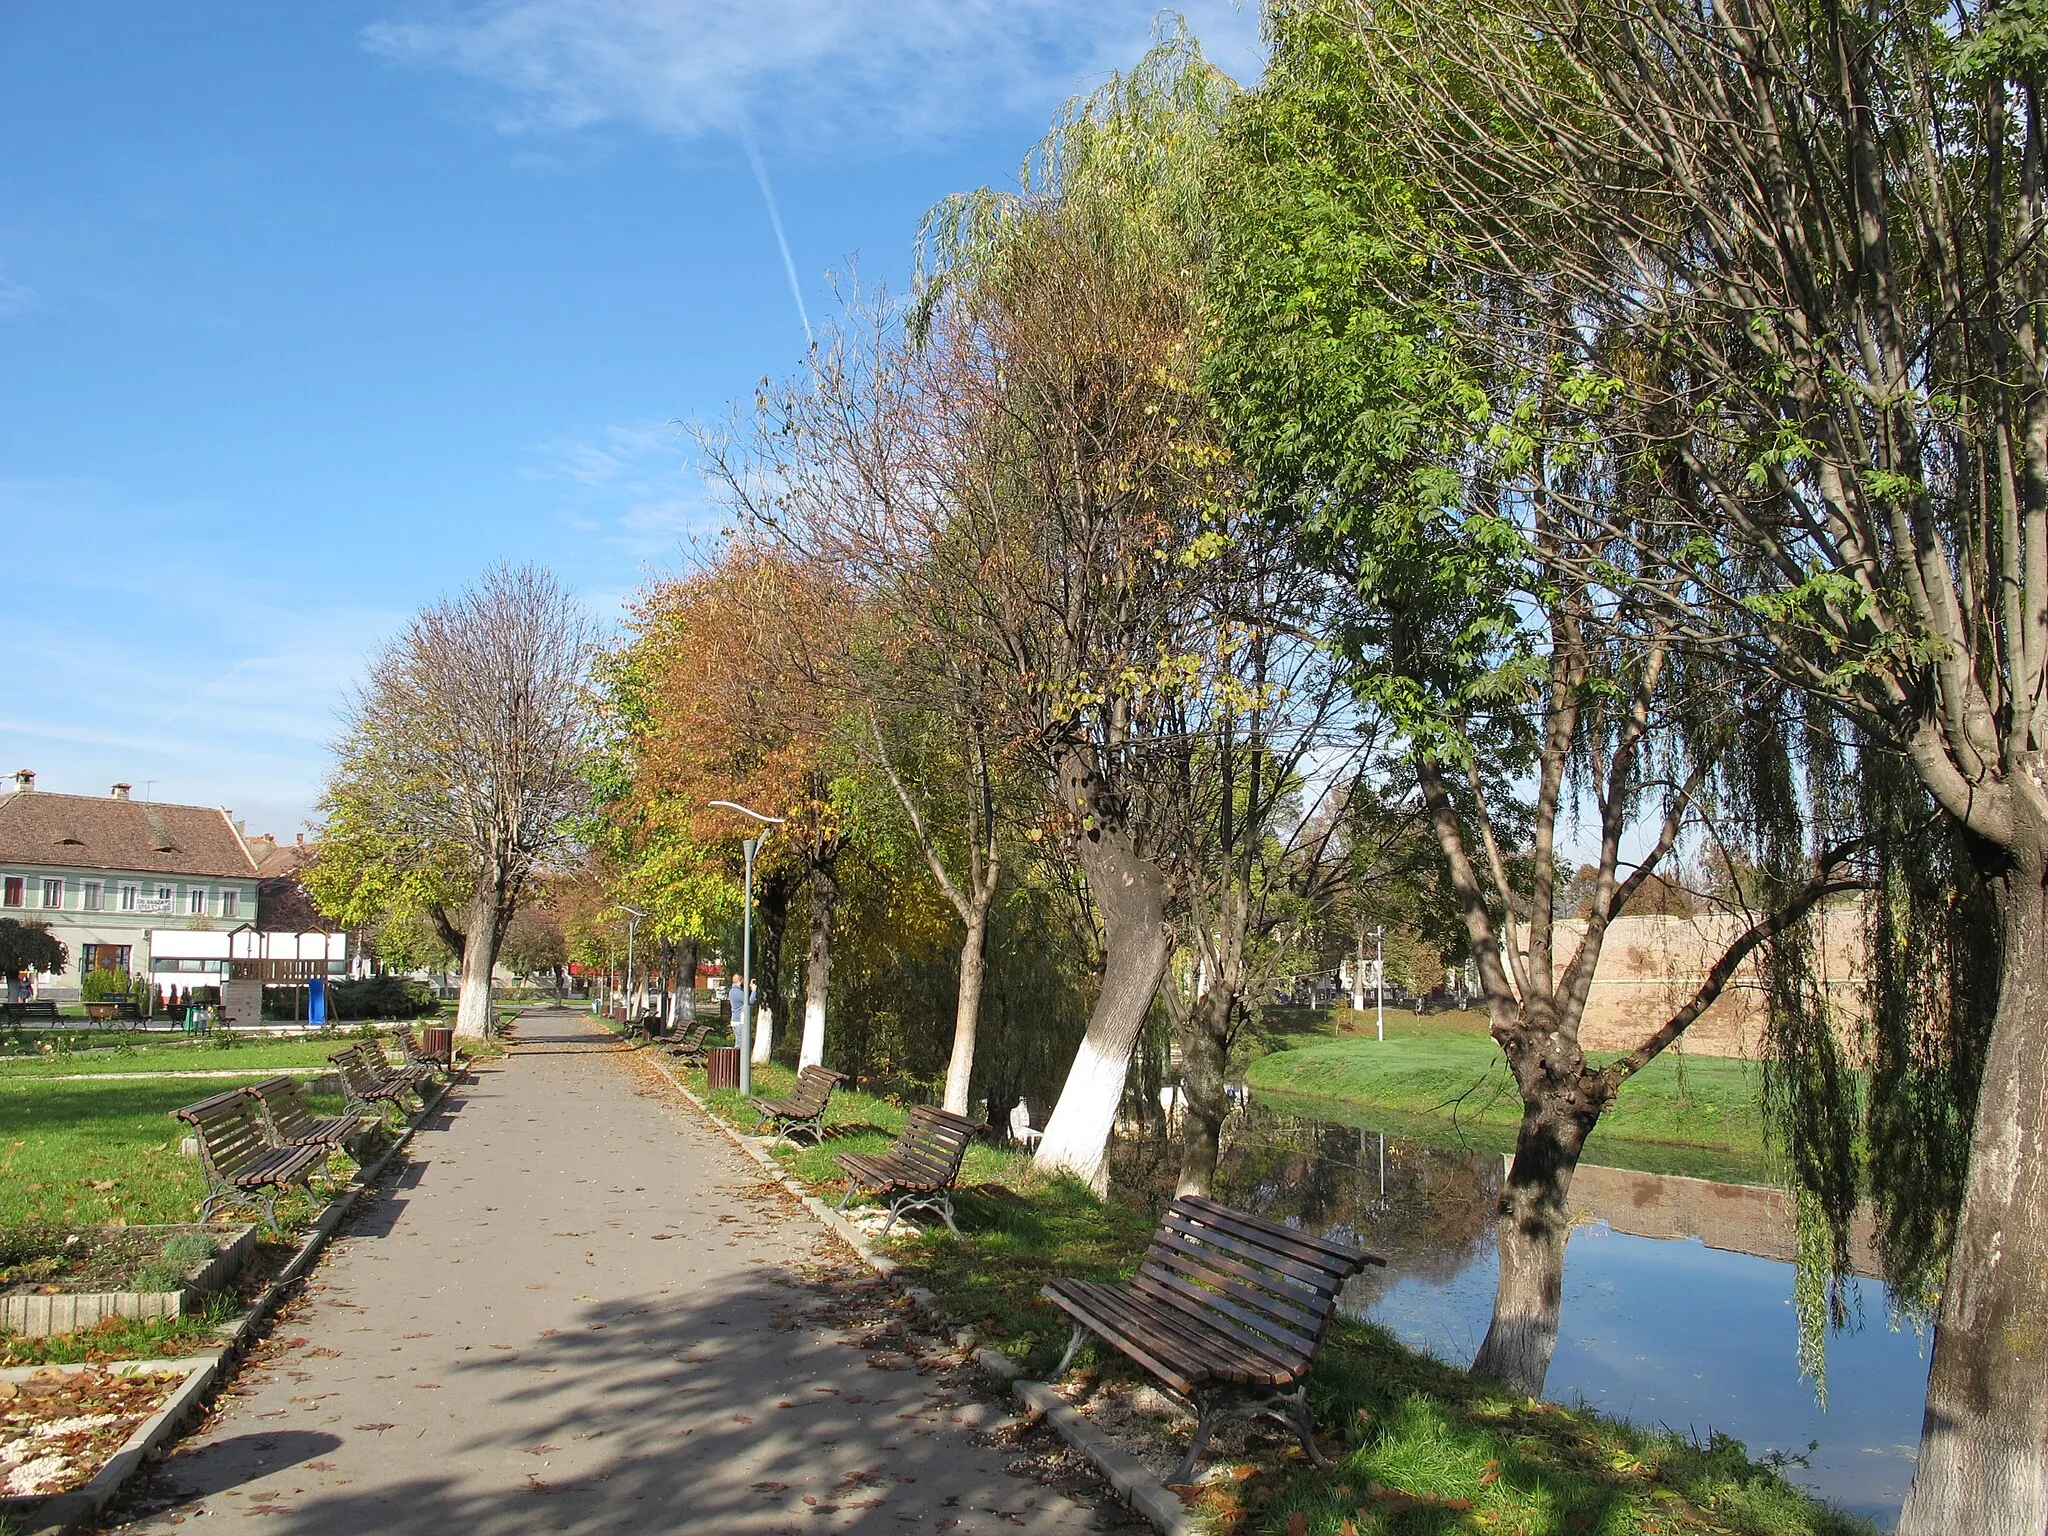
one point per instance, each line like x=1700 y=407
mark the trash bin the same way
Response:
x=722 y=1067
x=438 y=1041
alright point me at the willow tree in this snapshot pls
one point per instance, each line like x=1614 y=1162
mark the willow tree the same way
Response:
x=1821 y=227
x=1079 y=458
x=1490 y=512
x=463 y=770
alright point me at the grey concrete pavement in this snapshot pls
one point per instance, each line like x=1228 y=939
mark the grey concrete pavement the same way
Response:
x=578 y=1308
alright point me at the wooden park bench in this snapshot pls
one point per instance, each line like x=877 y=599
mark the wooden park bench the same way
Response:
x=291 y=1120
x=689 y=1045
x=370 y=1091
x=39 y=1012
x=413 y=1076
x=244 y=1167
x=802 y=1108
x=417 y=1055
x=1227 y=1309
x=917 y=1173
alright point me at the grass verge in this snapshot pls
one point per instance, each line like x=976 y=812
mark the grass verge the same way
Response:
x=1441 y=1079
x=1421 y=1449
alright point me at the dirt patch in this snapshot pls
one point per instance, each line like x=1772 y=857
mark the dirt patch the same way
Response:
x=58 y=1428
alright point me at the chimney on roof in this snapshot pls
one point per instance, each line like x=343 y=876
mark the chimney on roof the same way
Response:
x=24 y=780
x=120 y=791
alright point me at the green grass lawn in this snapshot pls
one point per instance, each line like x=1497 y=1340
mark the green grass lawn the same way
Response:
x=79 y=1154
x=226 y=1053
x=1422 y=1449
x=1441 y=1078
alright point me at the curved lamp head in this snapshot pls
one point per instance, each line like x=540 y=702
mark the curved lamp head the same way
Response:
x=729 y=805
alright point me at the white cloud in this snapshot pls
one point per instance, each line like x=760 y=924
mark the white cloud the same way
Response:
x=632 y=484
x=811 y=72
x=15 y=297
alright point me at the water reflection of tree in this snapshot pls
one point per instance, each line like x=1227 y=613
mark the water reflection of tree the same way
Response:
x=1426 y=1210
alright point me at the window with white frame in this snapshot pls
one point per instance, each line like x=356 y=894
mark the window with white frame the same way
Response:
x=94 y=896
x=129 y=894
x=53 y=893
x=195 y=901
x=230 y=903
x=13 y=890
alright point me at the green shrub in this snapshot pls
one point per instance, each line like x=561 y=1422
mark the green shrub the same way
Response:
x=189 y=1248
x=380 y=997
x=103 y=984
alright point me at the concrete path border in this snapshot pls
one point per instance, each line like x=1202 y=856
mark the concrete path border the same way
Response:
x=1132 y=1480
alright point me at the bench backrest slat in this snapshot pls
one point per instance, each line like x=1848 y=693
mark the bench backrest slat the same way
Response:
x=1269 y=1290
x=357 y=1073
x=286 y=1106
x=231 y=1133
x=1322 y=1251
x=1176 y=1227
x=813 y=1089
x=933 y=1144
x=1241 y=1281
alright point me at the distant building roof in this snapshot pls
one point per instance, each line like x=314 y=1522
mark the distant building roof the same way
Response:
x=115 y=832
x=283 y=905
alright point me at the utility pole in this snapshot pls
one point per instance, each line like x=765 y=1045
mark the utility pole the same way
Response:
x=633 y=916
x=745 y=1029
x=1379 y=978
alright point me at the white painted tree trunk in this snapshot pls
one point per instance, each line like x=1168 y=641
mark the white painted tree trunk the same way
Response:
x=1130 y=895
x=967 y=1008
x=764 y=1034
x=818 y=964
x=473 y=1011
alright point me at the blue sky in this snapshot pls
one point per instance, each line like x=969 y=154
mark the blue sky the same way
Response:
x=310 y=312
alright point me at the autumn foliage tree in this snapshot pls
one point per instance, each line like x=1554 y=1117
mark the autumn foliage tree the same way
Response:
x=736 y=665
x=463 y=769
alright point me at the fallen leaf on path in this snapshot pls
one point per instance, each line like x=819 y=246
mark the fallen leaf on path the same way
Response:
x=376 y=1426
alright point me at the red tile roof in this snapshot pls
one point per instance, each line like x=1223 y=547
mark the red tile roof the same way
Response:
x=90 y=832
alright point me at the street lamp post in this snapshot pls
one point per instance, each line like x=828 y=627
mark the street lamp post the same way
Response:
x=745 y=1025
x=633 y=916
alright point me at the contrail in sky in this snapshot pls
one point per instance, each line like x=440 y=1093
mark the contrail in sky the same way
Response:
x=775 y=218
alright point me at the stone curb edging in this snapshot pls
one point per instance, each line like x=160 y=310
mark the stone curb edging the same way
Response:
x=60 y=1514
x=1132 y=1480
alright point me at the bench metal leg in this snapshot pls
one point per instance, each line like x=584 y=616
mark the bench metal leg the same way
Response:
x=1293 y=1411
x=1073 y=1346
x=1210 y=1411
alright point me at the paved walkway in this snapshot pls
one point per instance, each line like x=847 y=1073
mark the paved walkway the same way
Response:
x=581 y=1309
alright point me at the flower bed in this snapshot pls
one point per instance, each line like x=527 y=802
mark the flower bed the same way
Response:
x=57 y=1281
x=60 y=1427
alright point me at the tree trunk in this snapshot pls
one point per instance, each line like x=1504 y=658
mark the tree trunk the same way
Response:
x=818 y=962
x=967 y=1006
x=684 y=1011
x=1530 y=1229
x=1130 y=895
x=1983 y=1464
x=771 y=920
x=1204 y=1058
x=479 y=958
